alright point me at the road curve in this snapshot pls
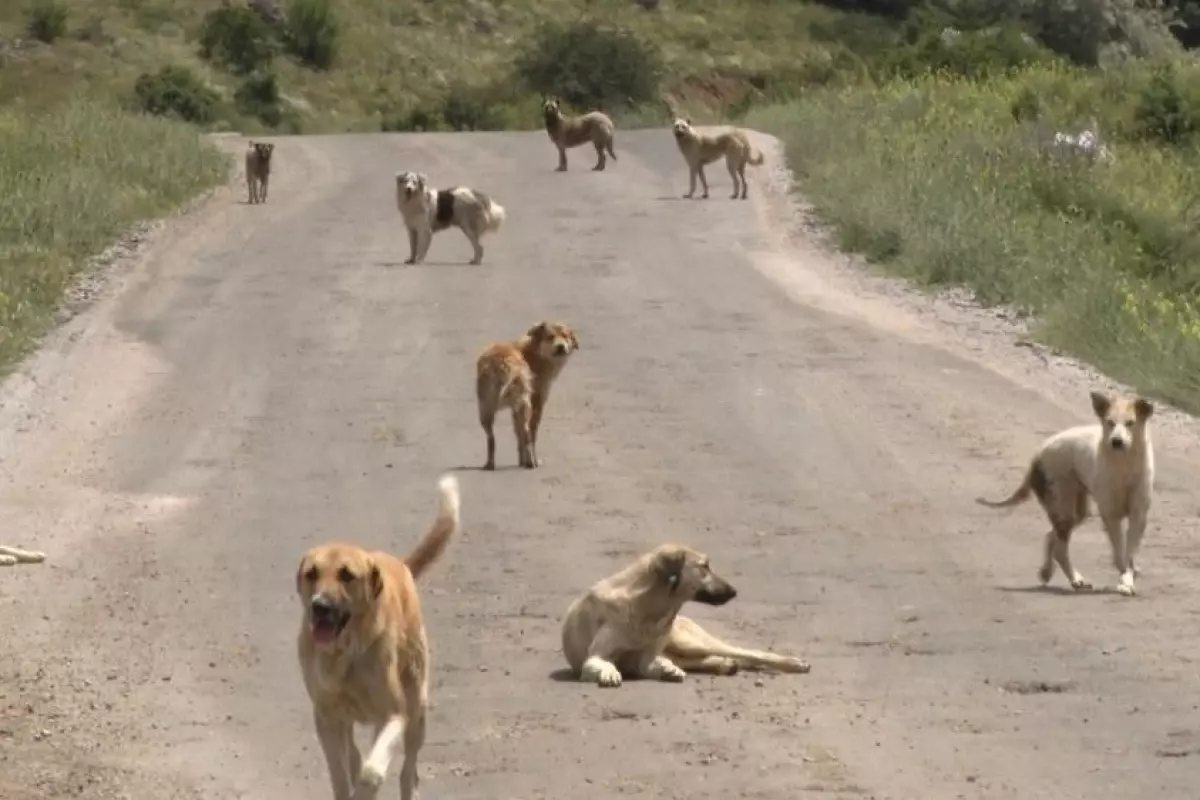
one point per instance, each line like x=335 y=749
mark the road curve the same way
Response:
x=267 y=377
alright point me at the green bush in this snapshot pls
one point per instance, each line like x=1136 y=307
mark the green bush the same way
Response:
x=1167 y=110
x=176 y=91
x=974 y=54
x=591 y=66
x=46 y=20
x=258 y=96
x=312 y=32
x=237 y=38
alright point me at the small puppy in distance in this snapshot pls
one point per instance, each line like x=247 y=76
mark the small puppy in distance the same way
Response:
x=258 y=170
x=427 y=211
x=1111 y=461
x=518 y=375
x=364 y=654
x=700 y=149
x=567 y=132
x=628 y=624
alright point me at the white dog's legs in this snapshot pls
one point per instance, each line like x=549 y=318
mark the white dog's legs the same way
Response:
x=1062 y=554
x=412 y=246
x=473 y=237
x=1138 y=517
x=1047 y=569
x=341 y=754
x=424 y=239
x=1117 y=541
x=375 y=768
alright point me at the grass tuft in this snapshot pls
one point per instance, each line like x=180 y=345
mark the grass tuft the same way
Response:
x=71 y=182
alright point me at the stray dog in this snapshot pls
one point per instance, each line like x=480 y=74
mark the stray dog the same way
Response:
x=10 y=556
x=1113 y=462
x=700 y=149
x=518 y=375
x=427 y=211
x=258 y=170
x=628 y=624
x=567 y=132
x=364 y=653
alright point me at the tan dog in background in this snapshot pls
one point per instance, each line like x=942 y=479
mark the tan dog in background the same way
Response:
x=567 y=132
x=258 y=170
x=518 y=375
x=700 y=149
x=1111 y=461
x=427 y=211
x=629 y=624
x=364 y=653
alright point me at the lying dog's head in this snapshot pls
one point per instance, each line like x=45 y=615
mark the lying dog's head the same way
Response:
x=337 y=583
x=681 y=127
x=553 y=341
x=263 y=150
x=1122 y=418
x=410 y=184
x=687 y=575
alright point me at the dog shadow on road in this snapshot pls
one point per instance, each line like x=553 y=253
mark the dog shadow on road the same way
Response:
x=402 y=265
x=478 y=468
x=1059 y=591
x=563 y=675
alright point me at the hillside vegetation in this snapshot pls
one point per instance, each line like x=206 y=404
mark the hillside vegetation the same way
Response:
x=922 y=129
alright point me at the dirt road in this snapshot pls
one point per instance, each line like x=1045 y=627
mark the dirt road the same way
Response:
x=267 y=377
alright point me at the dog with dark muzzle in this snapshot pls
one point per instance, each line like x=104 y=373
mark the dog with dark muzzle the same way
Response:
x=364 y=654
x=628 y=625
x=1111 y=461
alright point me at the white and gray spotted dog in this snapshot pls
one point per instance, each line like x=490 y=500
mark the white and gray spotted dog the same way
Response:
x=427 y=211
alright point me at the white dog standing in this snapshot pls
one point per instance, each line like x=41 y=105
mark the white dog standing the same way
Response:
x=427 y=211
x=1113 y=462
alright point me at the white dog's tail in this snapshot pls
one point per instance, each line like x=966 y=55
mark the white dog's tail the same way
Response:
x=756 y=157
x=1034 y=478
x=496 y=215
x=431 y=547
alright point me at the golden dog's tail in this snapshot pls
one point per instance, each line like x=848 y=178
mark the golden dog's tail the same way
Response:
x=431 y=547
x=1033 y=475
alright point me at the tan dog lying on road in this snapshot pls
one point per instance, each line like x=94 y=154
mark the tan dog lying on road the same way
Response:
x=427 y=211
x=258 y=170
x=518 y=375
x=1113 y=462
x=628 y=624
x=567 y=132
x=364 y=654
x=11 y=556
x=700 y=149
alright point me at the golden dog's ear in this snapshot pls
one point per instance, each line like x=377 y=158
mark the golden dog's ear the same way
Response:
x=1143 y=408
x=300 y=573
x=376 y=580
x=537 y=331
x=574 y=341
x=669 y=568
x=1101 y=403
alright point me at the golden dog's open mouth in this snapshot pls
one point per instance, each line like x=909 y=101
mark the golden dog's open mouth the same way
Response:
x=327 y=622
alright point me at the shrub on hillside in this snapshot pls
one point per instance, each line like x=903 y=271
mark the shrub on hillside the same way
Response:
x=237 y=38
x=46 y=20
x=974 y=54
x=1168 y=109
x=591 y=66
x=176 y=91
x=312 y=32
x=258 y=96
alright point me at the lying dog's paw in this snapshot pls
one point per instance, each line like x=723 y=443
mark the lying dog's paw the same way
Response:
x=727 y=666
x=608 y=676
x=798 y=665
x=7 y=561
x=669 y=671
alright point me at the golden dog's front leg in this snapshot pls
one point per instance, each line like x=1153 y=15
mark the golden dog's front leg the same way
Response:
x=414 y=739
x=599 y=668
x=341 y=754
x=374 y=768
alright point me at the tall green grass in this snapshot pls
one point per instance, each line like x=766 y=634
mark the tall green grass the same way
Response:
x=72 y=180
x=937 y=179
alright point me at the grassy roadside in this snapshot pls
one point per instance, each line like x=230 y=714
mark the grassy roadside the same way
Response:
x=72 y=180
x=936 y=180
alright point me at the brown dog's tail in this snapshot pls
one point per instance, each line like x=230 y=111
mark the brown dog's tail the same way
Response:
x=1022 y=492
x=609 y=148
x=431 y=547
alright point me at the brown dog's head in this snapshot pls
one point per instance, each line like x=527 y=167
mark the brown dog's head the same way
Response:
x=410 y=184
x=264 y=150
x=681 y=127
x=1123 y=419
x=553 y=341
x=687 y=575
x=336 y=584
x=551 y=108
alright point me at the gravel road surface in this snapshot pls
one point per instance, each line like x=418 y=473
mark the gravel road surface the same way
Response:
x=262 y=378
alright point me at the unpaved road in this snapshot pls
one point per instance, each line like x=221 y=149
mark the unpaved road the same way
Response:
x=268 y=377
